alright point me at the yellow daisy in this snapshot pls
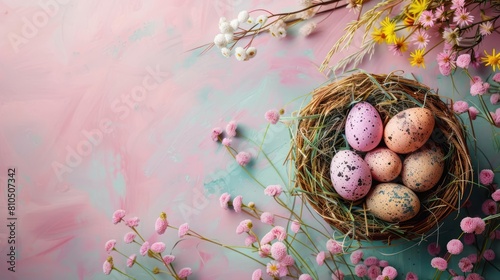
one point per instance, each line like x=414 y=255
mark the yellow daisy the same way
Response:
x=378 y=35
x=493 y=59
x=417 y=58
x=389 y=29
x=417 y=7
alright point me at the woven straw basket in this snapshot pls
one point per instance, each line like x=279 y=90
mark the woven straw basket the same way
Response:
x=320 y=132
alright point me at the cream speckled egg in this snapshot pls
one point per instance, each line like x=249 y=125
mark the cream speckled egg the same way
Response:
x=408 y=130
x=392 y=202
x=385 y=165
x=364 y=128
x=350 y=175
x=423 y=168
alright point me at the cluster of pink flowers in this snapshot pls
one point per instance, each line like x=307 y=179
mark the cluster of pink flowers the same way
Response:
x=242 y=157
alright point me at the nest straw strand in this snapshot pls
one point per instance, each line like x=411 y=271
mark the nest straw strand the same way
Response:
x=320 y=133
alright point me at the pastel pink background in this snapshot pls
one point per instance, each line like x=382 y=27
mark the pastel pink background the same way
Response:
x=68 y=85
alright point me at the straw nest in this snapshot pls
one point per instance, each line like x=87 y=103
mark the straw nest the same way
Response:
x=320 y=133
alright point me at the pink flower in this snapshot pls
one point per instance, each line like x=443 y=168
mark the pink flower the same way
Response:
x=227 y=142
x=216 y=132
x=457 y=4
x=480 y=225
x=185 y=272
x=267 y=238
x=489 y=255
x=496 y=195
x=110 y=245
x=132 y=222
x=383 y=263
x=390 y=272
x=474 y=276
x=479 y=88
x=161 y=223
x=118 y=216
x=131 y=260
x=249 y=240
x=287 y=261
x=440 y=14
x=475 y=79
x=279 y=233
x=460 y=107
x=469 y=238
x=273 y=190
x=411 y=276
x=472 y=258
x=244 y=226
x=224 y=200
x=361 y=270
x=338 y=275
x=473 y=113
x=129 y=237
x=463 y=60
x=496 y=77
x=264 y=250
x=465 y=265
x=231 y=128
x=144 y=248
x=257 y=274
x=276 y=270
x=445 y=69
x=459 y=277
x=278 y=251
x=489 y=207
x=333 y=246
x=356 y=256
x=462 y=17
x=371 y=261
x=439 y=263
x=373 y=271
x=455 y=246
x=267 y=218
x=243 y=158
x=168 y=259
x=447 y=57
x=468 y=225
x=420 y=38
x=320 y=258
x=494 y=98
x=183 y=230
x=486 y=177
x=304 y=277
x=237 y=202
x=295 y=226
x=272 y=116
x=427 y=18
x=107 y=266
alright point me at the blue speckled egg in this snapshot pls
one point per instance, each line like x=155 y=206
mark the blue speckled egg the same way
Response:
x=350 y=174
x=364 y=128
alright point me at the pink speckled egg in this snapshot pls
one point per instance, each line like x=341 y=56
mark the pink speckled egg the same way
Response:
x=408 y=130
x=423 y=168
x=351 y=177
x=392 y=202
x=385 y=165
x=364 y=128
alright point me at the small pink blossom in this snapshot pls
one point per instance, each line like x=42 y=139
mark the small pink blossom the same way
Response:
x=267 y=238
x=131 y=260
x=183 y=230
x=489 y=255
x=356 y=256
x=411 y=276
x=371 y=261
x=243 y=158
x=287 y=261
x=224 y=200
x=107 y=266
x=231 y=128
x=273 y=190
x=338 y=275
x=496 y=77
x=185 y=272
x=465 y=265
x=390 y=272
x=445 y=69
x=460 y=107
x=168 y=259
x=455 y=246
x=486 y=176
x=304 y=277
x=427 y=18
x=475 y=79
x=295 y=226
x=244 y=226
x=479 y=88
x=374 y=271
x=320 y=258
x=334 y=246
x=278 y=251
x=129 y=237
x=267 y=218
x=144 y=248
x=463 y=60
x=227 y=142
x=110 y=245
x=474 y=276
x=480 y=225
x=249 y=240
x=447 y=57
x=468 y=225
x=457 y=4
x=473 y=113
x=132 y=222
x=264 y=250
x=216 y=132
x=469 y=238
x=276 y=270
x=237 y=202
x=462 y=17
x=494 y=98
x=489 y=207
x=472 y=258
x=361 y=270
x=161 y=223
x=439 y=263
x=279 y=233
x=118 y=216
x=257 y=274
x=496 y=195
x=272 y=116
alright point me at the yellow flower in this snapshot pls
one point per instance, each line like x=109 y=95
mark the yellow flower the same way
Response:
x=417 y=7
x=389 y=29
x=378 y=35
x=401 y=44
x=417 y=58
x=493 y=59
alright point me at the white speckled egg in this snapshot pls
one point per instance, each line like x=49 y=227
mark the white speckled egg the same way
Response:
x=423 y=168
x=350 y=175
x=364 y=128
x=385 y=165
x=408 y=130
x=392 y=202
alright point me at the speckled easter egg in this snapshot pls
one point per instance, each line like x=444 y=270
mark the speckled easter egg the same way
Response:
x=364 y=128
x=423 y=168
x=392 y=202
x=350 y=175
x=385 y=165
x=408 y=130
